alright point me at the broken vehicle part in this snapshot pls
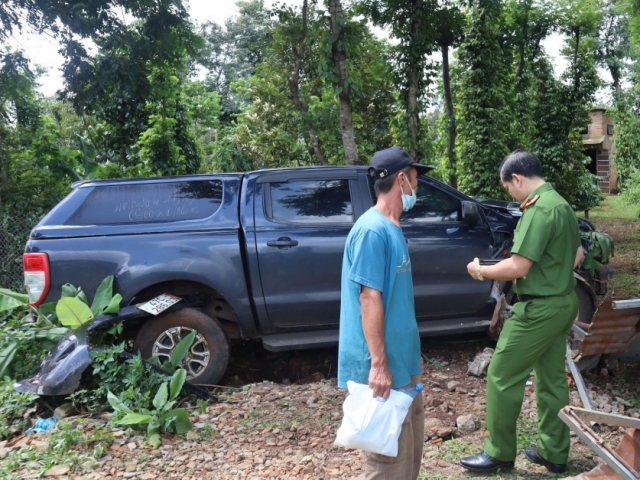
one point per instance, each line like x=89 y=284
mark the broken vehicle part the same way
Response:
x=62 y=367
x=613 y=326
x=625 y=460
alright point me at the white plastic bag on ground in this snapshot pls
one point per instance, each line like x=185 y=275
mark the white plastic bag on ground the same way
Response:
x=371 y=424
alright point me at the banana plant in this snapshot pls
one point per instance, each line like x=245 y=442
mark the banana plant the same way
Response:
x=38 y=329
x=73 y=308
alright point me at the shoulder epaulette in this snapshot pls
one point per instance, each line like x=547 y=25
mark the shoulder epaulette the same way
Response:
x=528 y=202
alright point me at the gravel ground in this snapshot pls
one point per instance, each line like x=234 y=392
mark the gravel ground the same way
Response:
x=276 y=430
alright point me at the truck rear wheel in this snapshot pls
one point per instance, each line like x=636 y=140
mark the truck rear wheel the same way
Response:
x=206 y=360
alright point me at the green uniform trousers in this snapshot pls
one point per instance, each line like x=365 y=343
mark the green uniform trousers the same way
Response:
x=534 y=337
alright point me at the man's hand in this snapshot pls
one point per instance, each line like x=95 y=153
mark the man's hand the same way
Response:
x=473 y=268
x=508 y=269
x=380 y=381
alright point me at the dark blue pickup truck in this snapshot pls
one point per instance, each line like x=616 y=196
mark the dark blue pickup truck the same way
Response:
x=264 y=249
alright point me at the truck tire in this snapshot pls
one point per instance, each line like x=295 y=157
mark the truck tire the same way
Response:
x=586 y=310
x=206 y=360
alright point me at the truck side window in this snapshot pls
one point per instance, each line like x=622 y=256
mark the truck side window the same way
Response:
x=311 y=202
x=152 y=202
x=433 y=205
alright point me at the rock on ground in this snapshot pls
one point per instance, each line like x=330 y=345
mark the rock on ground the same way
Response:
x=480 y=363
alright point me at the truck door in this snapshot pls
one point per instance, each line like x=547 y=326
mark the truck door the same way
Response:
x=301 y=226
x=441 y=245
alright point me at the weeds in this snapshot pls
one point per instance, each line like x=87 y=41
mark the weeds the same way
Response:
x=202 y=405
x=432 y=361
x=206 y=432
x=12 y=407
x=68 y=444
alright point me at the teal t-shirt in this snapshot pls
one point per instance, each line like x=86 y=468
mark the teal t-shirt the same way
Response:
x=376 y=255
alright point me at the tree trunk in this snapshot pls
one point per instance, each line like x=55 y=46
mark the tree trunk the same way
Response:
x=576 y=53
x=340 y=62
x=522 y=48
x=412 y=95
x=615 y=75
x=4 y=163
x=294 y=87
x=451 y=121
x=412 y=111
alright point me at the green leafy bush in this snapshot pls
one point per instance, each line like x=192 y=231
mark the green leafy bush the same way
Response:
x=588 y=195
x=631 y=194
x=131 y=379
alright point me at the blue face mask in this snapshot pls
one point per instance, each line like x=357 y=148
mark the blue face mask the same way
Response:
x=408 y=201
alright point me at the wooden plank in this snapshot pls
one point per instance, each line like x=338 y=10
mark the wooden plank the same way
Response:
x=607 y=418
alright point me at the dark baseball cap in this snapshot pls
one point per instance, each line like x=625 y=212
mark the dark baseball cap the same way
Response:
x=392 y=160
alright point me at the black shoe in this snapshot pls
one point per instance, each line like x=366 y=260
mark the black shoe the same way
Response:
x=533 y=455
x=483 y=462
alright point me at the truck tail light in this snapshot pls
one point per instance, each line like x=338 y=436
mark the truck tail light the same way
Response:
x=36 y=277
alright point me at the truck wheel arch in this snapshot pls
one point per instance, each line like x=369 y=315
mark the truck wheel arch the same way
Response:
x=218 y=308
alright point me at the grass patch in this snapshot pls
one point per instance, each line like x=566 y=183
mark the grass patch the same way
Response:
x=614 y=207
x=620 y=220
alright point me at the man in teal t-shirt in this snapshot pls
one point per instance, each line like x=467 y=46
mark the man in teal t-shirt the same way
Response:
x=379 y=340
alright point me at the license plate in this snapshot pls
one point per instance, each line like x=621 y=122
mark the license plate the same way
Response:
x=159 y=304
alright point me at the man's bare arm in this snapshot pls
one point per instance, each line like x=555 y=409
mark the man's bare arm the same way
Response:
x=509 y=269
x=373 y=327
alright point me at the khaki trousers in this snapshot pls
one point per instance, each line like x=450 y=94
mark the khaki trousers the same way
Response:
x=406 y=466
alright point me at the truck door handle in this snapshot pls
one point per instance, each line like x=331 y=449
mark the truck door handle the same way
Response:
x=282 y=242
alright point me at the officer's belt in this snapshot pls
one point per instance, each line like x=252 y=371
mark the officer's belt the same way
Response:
x=524 y=298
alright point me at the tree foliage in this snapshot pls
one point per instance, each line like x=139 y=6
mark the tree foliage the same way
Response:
x=627 y=139
x=484 y=96
x=233 y=52
x=312 y=84
x=38 y=152
x=133 y=87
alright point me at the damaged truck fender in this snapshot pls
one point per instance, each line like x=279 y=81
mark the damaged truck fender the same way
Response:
x=62 y=368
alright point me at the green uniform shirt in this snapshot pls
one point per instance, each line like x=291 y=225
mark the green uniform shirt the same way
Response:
x=548 y=235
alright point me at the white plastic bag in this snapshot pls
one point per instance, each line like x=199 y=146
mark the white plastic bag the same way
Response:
x=370 y=424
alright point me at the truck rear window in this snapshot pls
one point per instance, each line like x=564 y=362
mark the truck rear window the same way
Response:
x=311 y=202
x=149 y=203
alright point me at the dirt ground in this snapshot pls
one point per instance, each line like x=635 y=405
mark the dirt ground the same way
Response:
x=286 y=429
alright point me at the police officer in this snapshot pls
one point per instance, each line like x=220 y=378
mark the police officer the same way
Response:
x=545 y=251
